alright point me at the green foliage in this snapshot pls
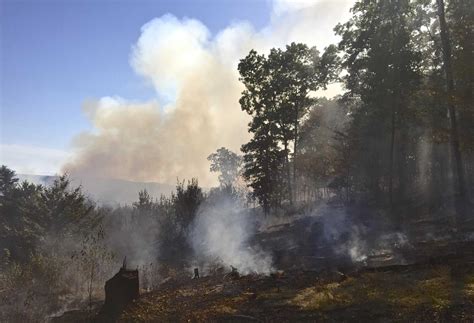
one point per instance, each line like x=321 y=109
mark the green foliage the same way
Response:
x=186 y=201
x=31 y=213
x=66 y=210
x=7 y=180
x=277 y=96
x=263 y=168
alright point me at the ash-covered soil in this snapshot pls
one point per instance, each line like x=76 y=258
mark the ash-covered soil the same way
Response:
x=440 y=291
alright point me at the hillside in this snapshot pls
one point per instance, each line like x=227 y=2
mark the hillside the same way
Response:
x=107 y=191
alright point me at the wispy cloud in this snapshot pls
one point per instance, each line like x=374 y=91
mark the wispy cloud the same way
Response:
x=32 y=160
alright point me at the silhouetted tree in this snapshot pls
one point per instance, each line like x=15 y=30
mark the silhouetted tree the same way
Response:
x=187 y=201
x=277 y=96
x=145 y=202
x=227 y=163
x=8 y=180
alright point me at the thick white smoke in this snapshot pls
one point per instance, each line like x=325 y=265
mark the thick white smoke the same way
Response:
x=220 y=235
x=197 y=73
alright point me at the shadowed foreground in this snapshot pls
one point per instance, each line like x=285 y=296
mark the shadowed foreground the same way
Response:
x=429 y=292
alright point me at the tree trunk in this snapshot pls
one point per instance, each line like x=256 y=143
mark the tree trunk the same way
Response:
x=395 y=99
x=446 y=43
x=90 y=288
x=392 y=151
x=288 y=173
x=295 y=143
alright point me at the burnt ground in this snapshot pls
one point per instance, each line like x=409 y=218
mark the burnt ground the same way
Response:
x=433 y=292
x=440 y=289
x=428 y=279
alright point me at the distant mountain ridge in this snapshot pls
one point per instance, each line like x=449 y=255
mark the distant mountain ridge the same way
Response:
x=107 y=191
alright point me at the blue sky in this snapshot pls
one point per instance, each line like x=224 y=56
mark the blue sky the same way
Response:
x=57 y=54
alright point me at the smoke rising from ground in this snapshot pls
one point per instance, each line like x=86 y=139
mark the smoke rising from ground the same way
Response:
x=221 y=235
x=355 y=238
x=196 y=73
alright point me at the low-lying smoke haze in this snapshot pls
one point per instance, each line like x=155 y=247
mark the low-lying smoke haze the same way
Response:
x=197 y=74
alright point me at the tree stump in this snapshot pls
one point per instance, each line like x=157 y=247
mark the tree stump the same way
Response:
x=120 y=290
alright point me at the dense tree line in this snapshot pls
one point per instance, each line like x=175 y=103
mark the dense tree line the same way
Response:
x=404 y=126
x=30 y=213
x=55 y=242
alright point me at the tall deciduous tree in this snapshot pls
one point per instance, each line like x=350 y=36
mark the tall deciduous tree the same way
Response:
x=278 y=95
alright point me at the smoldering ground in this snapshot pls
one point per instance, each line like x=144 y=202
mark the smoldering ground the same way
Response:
x=221 y=235
x=332 y=237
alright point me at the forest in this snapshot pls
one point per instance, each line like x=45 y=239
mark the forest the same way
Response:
x=394 y=153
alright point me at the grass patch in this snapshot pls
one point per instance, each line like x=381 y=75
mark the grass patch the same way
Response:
x=394 y=291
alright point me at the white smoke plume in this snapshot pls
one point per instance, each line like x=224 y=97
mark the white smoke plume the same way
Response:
x=197 y=73
x=357 y=239
x=221 y=234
